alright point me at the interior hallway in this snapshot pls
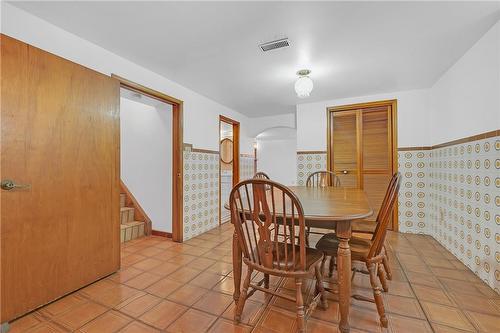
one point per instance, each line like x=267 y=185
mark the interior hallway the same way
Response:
x=170 y=287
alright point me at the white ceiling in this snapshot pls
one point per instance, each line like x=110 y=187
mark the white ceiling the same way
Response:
x=352 y=48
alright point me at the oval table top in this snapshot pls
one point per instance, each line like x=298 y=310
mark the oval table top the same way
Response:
x=331 y=204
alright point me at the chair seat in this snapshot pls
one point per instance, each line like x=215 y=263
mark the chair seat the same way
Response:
x=360 y=247
x=313 y=256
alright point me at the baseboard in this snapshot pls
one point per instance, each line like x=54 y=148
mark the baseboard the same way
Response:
x=161 y=233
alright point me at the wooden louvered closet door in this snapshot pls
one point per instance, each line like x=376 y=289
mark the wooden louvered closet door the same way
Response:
x=362 y=148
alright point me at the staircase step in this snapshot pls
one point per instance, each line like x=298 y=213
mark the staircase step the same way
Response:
x=131 y=230
x=123 y=197
x=126 y=214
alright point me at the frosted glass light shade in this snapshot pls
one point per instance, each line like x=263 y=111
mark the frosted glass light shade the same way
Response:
x=303 y=86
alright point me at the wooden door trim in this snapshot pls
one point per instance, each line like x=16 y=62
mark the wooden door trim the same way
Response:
x=365 y=105
x=177 y=150
x=393 y=105
x=236 y=146
x=394 y=123
x=359 y=147
x=236 y=155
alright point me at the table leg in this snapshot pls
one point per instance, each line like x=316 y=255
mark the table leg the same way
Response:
x=343 y=231
x=237 y=263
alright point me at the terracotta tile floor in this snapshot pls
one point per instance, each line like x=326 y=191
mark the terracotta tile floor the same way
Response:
x=169 y=287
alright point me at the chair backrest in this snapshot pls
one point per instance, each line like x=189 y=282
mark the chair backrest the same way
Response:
x=322 y=179
x=269 y=219
x=384 y=202
x=261 y=175
x=384 y=215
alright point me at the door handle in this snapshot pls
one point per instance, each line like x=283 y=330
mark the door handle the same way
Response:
x=344 y=172
x=8 y=185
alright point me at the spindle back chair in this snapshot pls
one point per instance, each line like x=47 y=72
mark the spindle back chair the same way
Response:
x=322 y=179
x=371 y=252
x=384 y=216
x=259 y=207
x=261 y=175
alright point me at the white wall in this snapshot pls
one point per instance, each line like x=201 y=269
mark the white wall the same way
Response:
x=413 y=119
x=258 y=125
x=278 y=159
x=146 y=158
x=276 y=154
x=201 y=114
x=466 y=100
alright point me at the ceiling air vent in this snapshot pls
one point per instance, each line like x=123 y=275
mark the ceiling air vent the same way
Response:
x=275 y=44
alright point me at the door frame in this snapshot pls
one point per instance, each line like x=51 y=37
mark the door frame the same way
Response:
x=393 y=103
x=236 y=154
x=177 y=149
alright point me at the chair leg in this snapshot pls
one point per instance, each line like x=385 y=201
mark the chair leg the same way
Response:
x=382 y=278
x=331 y=266
x=243 y=296
x=319 y=286
x=266 y=281
x=301 y=322
x=377 y=294
x=387 y=267
x=308 y=231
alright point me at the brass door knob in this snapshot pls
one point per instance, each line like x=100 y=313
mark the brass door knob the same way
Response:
x=9 y=185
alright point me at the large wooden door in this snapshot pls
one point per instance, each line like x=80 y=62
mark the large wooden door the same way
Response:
x=362 y=148
x=59 y=136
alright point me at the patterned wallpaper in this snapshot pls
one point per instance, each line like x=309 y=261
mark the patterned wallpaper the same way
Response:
x=307 y=163
x=201 y=189
x=464 y=205
x=451 y=193
x=246 y=166
x=413 y=196
x=201 y=192
x=246 y=172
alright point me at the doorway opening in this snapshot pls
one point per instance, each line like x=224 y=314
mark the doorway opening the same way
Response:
x=229 y=162
x=150 y=162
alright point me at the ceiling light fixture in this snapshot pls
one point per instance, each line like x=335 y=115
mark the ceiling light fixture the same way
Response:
x=304 y=84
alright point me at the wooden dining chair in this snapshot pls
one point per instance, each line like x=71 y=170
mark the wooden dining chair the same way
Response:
x=261 y=175
x=370 y=251
x=320 y=179
x=257 y=213
x=356 y=238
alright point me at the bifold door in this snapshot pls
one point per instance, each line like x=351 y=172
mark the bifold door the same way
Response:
x=362 y=148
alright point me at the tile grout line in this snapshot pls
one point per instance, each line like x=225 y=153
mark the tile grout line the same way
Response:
x=442 y=287
x=267 y=303
x=411 y=285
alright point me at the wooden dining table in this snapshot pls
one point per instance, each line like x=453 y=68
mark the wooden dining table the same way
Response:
x=332 y=208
